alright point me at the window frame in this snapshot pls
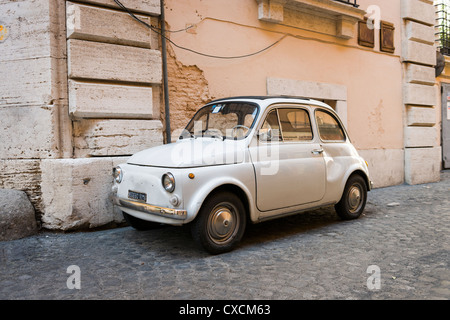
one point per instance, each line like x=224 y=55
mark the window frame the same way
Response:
x=276 y=108
x=337 y=119
x=212 y=103
x=310 y=124
x=266 y=115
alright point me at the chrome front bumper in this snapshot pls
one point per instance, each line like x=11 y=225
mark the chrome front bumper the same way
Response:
x=151 y=209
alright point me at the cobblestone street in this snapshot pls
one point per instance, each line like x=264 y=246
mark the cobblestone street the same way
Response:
x=404 y=232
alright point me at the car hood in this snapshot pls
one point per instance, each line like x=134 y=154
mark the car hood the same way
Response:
x=188 y=153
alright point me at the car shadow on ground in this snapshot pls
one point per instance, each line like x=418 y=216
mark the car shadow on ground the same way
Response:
x=277 y=229
x=305 y=223
x=178 y=240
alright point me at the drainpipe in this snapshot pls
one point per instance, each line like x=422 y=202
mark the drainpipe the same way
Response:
x=165 y=76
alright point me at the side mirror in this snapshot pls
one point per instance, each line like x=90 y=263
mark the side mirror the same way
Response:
x=265 y=134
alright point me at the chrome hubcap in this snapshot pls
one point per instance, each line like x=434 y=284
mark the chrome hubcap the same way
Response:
x=354 y=198
x=222 y=223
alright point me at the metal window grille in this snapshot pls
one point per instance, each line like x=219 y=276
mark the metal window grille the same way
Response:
x=350 y=2
x=443 y=26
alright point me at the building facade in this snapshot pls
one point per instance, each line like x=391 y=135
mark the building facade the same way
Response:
x=443 y=73
x=83 y=86
x=379 y=76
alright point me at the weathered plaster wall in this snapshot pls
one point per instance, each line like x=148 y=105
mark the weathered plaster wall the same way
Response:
x=188 y=91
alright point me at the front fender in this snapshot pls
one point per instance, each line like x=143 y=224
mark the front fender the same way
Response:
x=207 y=180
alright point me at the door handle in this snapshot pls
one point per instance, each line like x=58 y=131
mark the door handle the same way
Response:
x=317 y=151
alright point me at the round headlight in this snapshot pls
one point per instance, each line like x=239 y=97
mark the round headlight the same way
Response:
x=168 y=182
x=118 y=174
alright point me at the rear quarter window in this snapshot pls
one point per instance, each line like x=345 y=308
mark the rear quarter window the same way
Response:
x=329 y=127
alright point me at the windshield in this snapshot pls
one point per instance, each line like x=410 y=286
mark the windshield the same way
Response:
x=228 y=120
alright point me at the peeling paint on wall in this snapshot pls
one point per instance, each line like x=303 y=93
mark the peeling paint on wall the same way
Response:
x=188 y=91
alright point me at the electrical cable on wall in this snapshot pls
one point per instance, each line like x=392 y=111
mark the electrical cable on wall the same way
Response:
x=153 y=28
x=158 y=31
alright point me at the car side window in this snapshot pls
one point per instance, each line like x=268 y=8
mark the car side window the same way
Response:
x=329 y=127
x=270 y=130
x=295 y=124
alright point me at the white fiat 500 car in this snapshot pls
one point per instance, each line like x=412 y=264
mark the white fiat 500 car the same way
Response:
x=244 y=159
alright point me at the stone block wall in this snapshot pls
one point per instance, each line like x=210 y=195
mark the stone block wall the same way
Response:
x=32 y=98
x=112 y=58
x=82 y=92
x=421 y=130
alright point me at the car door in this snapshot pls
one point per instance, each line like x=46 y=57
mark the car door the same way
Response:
x=288 y=160
x=338 y=154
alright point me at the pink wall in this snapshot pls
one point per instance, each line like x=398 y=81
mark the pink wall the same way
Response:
x=373 y=79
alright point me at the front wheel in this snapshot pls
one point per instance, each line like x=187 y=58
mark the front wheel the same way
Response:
x=354 y=198
x=220 y=223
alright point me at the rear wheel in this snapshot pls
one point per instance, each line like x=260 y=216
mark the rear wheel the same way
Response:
x=140 y=224
x=220 y=223
x=354 y=198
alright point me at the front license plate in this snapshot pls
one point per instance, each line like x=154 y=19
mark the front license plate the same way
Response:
x=139 y=196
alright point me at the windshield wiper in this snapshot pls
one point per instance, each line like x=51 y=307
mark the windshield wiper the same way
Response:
x=184 y=135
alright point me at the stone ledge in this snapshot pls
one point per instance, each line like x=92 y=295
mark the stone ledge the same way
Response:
x=76 y=193
x=422 y=165
x=344 y=16
x=151 y=7
x=386 y=166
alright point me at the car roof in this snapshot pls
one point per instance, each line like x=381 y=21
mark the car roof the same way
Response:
x=265 y=101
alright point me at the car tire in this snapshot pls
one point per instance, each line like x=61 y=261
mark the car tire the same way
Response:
x=140 y=224
x=220 y=223
x=354 y=198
